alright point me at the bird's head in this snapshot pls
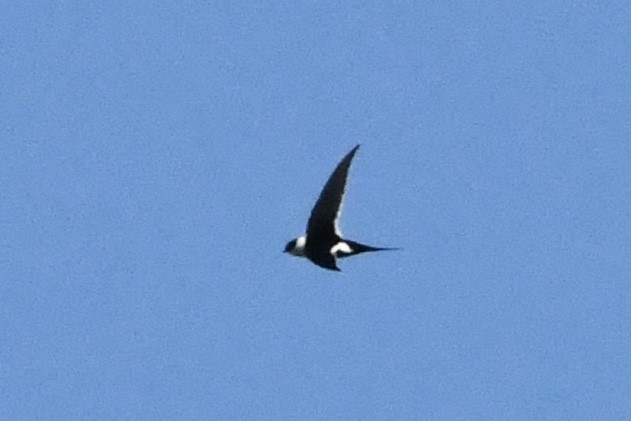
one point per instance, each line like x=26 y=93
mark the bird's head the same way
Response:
x=296 y=246
x=290 y=246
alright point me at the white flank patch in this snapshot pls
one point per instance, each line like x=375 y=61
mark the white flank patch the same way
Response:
x=341 y=247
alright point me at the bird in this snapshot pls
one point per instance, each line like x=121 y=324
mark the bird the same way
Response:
x=323 y=243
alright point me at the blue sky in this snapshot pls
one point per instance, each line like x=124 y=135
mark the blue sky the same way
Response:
x=157 y=157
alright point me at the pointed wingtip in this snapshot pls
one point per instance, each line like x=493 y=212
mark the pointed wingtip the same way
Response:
x=352 y=152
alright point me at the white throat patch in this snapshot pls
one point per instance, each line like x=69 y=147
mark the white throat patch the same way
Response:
x=299 y=248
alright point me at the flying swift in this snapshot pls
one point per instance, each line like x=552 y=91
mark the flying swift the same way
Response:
x=323 y=244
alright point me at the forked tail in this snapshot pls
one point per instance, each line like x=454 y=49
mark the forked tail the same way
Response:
x=361 y=248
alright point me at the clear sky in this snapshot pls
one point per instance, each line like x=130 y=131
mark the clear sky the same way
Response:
x=156 y=157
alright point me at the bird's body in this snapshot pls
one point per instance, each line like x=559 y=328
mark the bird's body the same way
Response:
x=323 y=243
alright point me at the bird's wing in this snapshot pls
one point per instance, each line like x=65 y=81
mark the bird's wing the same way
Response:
x=322 y=225
x=324 y=259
